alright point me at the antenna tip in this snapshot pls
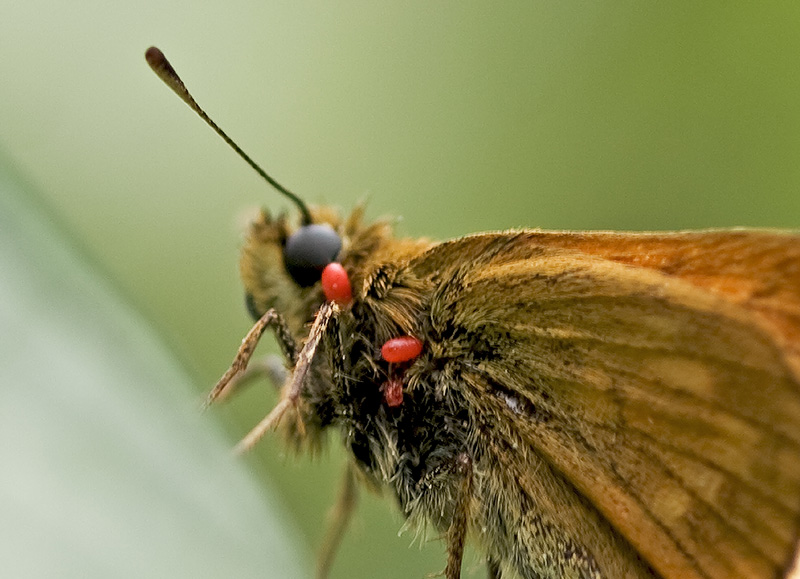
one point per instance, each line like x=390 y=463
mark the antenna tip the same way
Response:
x=161 y=66
x=154 y=57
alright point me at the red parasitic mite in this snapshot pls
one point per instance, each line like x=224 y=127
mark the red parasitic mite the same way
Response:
x=336 y=284
x=401 y=349
x=393 y=392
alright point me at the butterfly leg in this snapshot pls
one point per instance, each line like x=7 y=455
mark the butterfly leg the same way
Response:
x=457 y=532
x=493 y=569
x=292 y=390
x=338 y=522
x=271 y=368
x=236 y=373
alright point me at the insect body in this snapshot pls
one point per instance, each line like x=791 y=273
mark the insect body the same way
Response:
x=584 y=405
x=576 y=404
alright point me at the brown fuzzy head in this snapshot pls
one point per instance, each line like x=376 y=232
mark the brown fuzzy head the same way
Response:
x=268 y=281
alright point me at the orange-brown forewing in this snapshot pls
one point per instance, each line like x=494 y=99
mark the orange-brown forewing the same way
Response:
x=645 y=391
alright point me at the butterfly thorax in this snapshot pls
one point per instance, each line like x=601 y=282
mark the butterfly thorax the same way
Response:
x=410 y=447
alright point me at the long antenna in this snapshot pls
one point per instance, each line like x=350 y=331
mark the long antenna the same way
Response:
x=161 y=66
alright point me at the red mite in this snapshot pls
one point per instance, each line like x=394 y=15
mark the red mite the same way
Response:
x=336 y=287
x=393 y=392
x=336 y=284
x=397 y=350
x=401 y=349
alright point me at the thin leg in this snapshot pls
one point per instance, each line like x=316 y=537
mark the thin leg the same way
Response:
x=493 y=568
x=457 y=533
x=291 y=393
x=272 y=367
x=338 y=522
x=239 y=364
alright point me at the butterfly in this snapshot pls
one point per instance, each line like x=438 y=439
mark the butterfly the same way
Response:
x=575 y=404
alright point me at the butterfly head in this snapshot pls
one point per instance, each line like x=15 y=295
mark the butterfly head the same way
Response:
x=282 y=264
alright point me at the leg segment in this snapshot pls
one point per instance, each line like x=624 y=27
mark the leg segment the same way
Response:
x=339 y=520
x=270 y=319
x=291 y=393
x=457 y=533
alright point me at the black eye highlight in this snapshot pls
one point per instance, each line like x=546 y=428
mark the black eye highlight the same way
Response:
x=308 y=250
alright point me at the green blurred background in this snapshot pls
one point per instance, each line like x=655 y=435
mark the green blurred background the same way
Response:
x=458 y=117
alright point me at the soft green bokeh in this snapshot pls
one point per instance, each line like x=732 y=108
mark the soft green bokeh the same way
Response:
x=459 y=117
x=108 y=470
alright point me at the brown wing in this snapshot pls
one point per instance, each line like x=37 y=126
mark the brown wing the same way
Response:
x=657 y=373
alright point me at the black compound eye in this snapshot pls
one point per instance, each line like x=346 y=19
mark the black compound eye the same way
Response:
x=308 y=250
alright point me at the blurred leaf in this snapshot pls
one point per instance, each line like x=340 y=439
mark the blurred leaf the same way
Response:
x=109 y=470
